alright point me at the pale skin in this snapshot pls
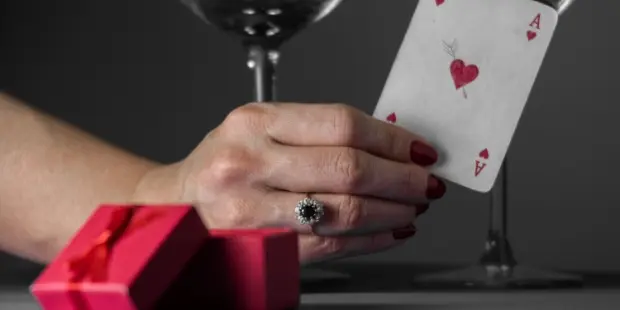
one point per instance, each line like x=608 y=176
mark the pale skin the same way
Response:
x=249 y=172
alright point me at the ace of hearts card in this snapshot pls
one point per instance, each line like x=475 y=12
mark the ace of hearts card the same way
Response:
x=461 y=79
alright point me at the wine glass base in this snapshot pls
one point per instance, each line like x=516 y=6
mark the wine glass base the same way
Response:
x=494 y=277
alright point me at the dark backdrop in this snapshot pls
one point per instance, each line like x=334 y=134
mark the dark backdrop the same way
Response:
x=149 y=76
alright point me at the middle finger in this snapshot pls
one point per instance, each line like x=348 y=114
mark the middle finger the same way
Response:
x=350 y=171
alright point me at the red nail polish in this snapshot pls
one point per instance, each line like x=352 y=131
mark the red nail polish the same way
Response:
x=404 y=233
x=421 y=209
x=422 y=154
x=436 y=188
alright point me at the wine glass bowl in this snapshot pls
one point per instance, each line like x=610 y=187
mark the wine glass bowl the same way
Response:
x=263 y=26
x=561 y=5
x=265 y=23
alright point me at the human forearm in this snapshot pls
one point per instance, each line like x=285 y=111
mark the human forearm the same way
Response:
x=52 y=176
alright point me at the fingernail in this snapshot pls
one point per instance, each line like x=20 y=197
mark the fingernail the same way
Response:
x=422 y=154
x=436 y=188
x=404 y=233
x=421 y=209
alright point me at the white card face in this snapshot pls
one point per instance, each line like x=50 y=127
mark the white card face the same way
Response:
x=462 y=77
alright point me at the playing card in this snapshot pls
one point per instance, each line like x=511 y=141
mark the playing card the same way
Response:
x=461 y=79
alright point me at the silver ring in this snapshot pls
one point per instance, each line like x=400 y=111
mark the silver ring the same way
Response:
x=309 y=211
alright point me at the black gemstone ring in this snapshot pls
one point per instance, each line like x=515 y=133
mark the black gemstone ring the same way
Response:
x=309 y=211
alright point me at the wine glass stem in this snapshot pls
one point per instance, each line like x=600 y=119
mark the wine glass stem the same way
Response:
x=498 y=251
x=263 y=63
x=499 y=203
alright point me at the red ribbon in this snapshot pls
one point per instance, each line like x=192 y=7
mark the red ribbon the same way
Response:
x=93 y=263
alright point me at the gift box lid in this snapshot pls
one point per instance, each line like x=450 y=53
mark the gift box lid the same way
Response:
x=136 y=251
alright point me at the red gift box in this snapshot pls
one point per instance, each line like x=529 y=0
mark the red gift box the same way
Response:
x=123 y=258
x=245 y=269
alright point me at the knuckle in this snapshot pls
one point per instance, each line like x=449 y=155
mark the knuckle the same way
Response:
x=393 y=143
x=416 y=180
x=246 y=116
x=230 y=166
x=344 y=124
x=378 y=242
x=349 y=169
x=333 y=245
x=351 y=212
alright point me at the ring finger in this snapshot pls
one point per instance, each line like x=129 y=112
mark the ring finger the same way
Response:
x=343 y=214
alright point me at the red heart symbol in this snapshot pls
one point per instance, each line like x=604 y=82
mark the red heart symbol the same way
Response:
x=462 y=74
x=439 y=2
x=531 y=35
x=484 y=154
x=391 y=118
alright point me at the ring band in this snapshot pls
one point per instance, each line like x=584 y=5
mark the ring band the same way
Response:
x=309 y=211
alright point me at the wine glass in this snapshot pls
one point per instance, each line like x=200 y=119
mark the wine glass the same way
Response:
x=497 y=267
x=262 y=26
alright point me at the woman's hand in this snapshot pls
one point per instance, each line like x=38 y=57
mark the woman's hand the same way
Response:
x=253 y=169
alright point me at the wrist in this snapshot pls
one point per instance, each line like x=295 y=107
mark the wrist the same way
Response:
x=160 y=185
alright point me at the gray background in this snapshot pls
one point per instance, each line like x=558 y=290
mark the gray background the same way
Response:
x=150 y=77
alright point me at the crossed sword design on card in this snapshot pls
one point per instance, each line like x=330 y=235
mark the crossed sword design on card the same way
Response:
x=464 y=74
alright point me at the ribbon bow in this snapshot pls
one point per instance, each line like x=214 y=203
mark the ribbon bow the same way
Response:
x=93 y=263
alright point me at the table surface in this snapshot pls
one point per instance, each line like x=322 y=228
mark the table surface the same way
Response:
x=586 y=299
x=383 y=287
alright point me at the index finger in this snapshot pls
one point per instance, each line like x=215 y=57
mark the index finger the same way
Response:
x=341 y=125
